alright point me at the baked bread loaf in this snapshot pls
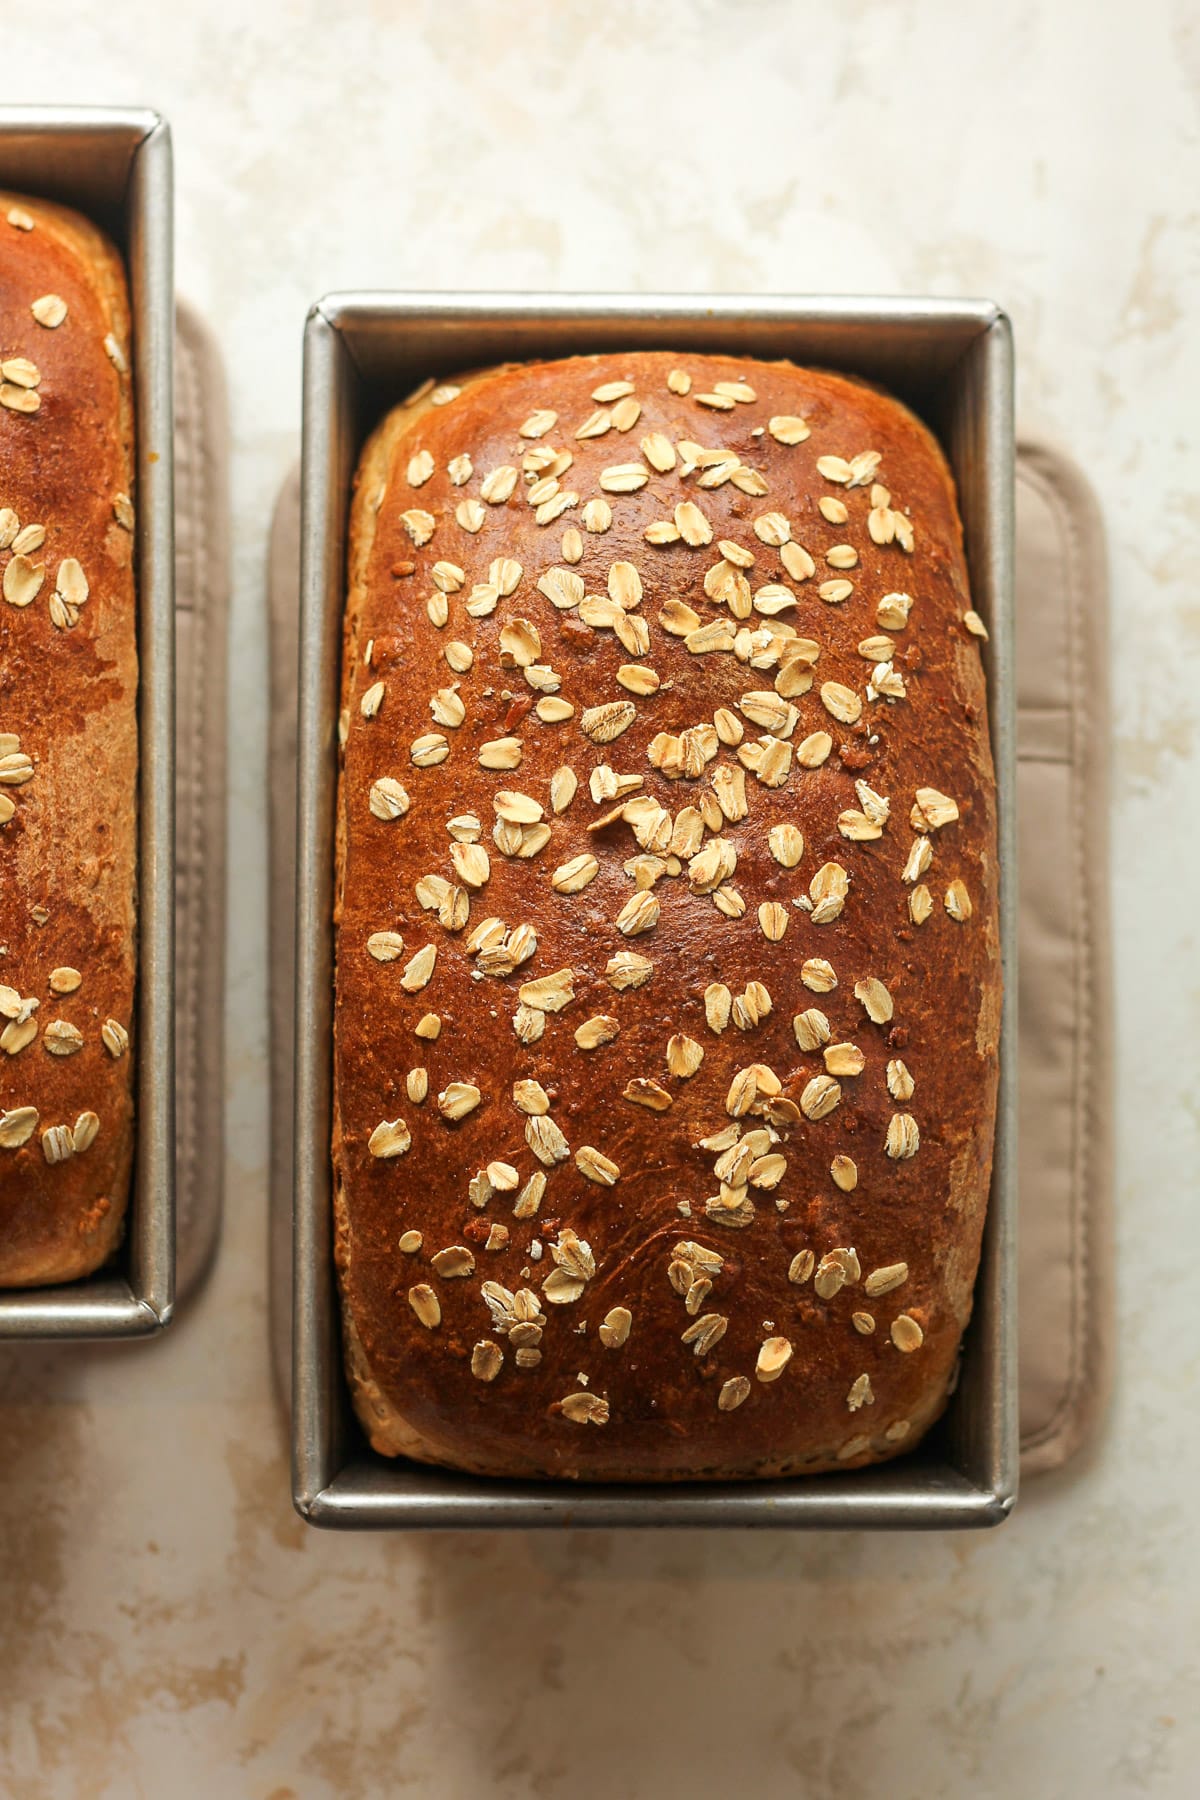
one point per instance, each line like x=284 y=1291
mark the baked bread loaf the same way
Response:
x=68 y=745
x=668 y=988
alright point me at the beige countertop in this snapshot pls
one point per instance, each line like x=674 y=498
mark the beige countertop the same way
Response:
x=168 y=1627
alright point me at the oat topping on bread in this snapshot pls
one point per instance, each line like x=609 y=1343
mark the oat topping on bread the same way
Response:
x=668 y=982
x=68 y=745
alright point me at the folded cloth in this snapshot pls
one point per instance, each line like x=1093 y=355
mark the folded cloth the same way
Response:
x=202 y=573
x=1065 y=1160
x=1065 y=1001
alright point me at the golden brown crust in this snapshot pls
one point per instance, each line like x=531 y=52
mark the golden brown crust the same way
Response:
x=68 y=694
x=518 y=1378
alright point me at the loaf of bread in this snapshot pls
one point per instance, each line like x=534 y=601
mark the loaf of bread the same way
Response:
x=68 y=745
x=668 y=988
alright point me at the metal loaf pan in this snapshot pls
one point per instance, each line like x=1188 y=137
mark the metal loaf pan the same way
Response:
x=114 y=165
x=952 y=361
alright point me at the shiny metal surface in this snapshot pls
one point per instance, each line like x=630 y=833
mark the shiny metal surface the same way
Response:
x=952 y=361
x=115 y=166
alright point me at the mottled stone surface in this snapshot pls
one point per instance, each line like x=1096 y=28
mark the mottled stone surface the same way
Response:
x=166 y=1626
